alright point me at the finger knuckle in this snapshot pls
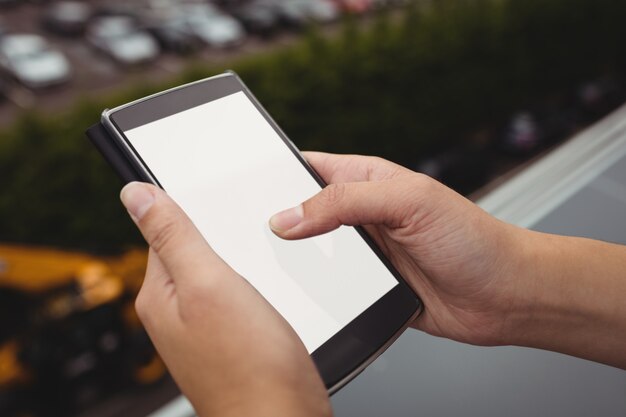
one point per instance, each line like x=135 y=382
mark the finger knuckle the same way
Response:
x=380 y=169
x=377 y=161
x=424 y=183
x=333 y=194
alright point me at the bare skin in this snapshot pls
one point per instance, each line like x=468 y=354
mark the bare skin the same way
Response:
x=229 y=351
x=482 y=281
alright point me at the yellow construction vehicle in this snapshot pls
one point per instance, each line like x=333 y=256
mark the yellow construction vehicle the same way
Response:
x=68 y=329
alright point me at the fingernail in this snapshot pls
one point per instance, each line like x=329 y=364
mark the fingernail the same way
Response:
x=288 y=219
x=137 y=199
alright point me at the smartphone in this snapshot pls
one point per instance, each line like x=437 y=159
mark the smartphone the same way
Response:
x=214 y=149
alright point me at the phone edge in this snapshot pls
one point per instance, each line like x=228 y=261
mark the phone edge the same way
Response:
x=341 y=383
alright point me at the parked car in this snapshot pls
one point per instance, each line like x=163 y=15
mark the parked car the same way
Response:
x=259 y=17
x=30 y=60
x=297 y=13
x=173 y=34
x=69 y=336
x=68 y=18
x=266 y=15
x=132 y=10
x=165 y=21
x=121 y=38
x=291 y=13
x=212 y=26
x=323 y=11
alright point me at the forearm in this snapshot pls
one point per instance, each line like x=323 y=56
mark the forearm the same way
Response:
x=575 y=298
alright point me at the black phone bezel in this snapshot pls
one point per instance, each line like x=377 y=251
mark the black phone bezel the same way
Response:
x=346 y=353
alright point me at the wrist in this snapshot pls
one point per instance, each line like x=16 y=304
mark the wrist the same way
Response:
x=268 y=396
x=567 y=297
x=515 y=302
x=545 y=303
x=270 y=403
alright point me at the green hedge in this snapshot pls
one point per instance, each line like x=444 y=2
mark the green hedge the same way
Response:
x=399 y=86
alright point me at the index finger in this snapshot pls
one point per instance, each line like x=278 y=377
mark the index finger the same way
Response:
x=334 y=168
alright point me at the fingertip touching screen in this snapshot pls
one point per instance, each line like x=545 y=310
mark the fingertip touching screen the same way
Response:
x=230 y=171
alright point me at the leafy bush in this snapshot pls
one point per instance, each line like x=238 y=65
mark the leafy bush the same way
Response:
x=398 y=87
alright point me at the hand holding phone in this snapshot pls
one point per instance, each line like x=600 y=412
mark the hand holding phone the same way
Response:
x=393 y=224
x=229 y=351
x=469 y=266
x=462 y=261
x=222 y=158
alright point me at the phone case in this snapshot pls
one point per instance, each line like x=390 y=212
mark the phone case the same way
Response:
x=101 y=139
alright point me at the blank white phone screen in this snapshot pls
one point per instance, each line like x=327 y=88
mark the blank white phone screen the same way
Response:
x=229 y=170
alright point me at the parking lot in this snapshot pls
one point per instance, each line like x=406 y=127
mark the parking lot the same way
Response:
x=93 y=72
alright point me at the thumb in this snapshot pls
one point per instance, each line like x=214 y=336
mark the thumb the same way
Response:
x=361 y=203
x=177 y=242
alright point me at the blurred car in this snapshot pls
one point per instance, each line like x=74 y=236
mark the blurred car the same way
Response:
x=264 y=16
x=166 y=22
x=67 y=18
x=323 y=11
x=291 y=13
x=257 y=16
x=132 y=10
x=120 y=38
x=173 y=34
x=30 y=60
x=297 y=13
x=69 y=335
x=212 y=26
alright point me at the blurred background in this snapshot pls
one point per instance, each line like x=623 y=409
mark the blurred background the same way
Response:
x=466 y=91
